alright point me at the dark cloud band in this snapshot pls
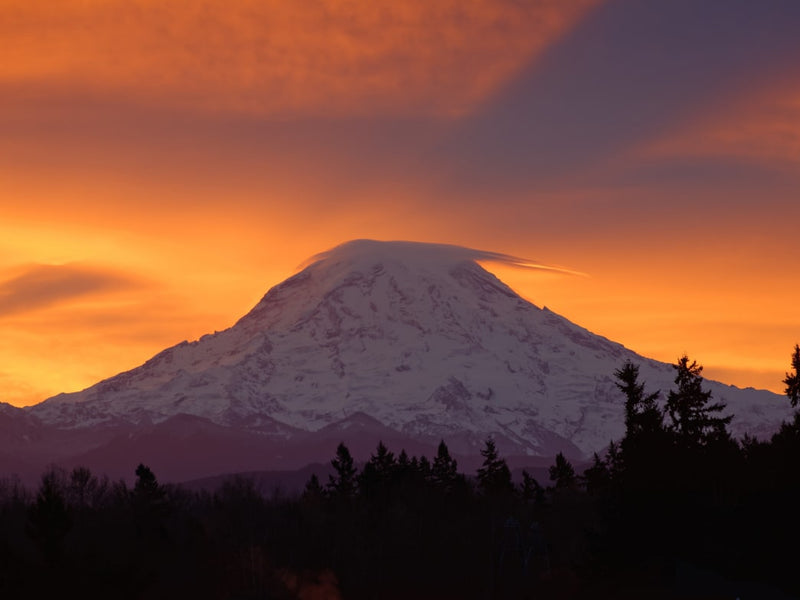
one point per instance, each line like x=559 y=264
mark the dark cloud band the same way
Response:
x=41 y=286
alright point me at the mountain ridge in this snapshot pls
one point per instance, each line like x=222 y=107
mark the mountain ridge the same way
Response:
x=417 y=337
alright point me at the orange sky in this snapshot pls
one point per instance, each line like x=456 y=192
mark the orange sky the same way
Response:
x=163 y=163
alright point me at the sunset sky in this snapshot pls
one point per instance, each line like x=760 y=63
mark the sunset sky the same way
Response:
x=164 y=162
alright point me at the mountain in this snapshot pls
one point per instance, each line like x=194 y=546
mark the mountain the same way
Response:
x=406 y=342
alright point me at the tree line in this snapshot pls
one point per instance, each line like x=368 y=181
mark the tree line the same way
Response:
x=676 y=506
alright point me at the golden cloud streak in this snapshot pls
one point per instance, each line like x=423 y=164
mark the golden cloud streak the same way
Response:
x=764 y=127
x=277 y=57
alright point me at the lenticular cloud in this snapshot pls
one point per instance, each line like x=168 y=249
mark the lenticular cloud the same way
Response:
x=427 y=254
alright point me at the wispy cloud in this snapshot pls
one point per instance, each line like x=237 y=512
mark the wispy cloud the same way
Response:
x=762 y=127
x=43 y=286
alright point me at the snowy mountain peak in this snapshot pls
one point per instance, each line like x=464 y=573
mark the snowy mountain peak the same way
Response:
x=418 y=338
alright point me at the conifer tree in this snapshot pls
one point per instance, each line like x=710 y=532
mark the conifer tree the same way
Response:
x=444 y=471
x=642 y=415
x=407 y=478
x=343 y=484
x=635 y=462
x=788 y=437
x=792 y=380
x=382 y=462
x=403 y=461
x=693 y=417
x=494 y=477
x=378 y=472
x=562 y=473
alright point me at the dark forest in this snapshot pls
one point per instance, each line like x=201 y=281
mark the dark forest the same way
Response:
x=677 y=508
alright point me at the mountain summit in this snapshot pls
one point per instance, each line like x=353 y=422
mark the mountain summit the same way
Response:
x=403 y=339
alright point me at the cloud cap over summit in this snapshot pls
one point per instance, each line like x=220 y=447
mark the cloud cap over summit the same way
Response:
x=422 y=254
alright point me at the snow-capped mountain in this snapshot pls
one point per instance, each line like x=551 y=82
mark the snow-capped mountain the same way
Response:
x=407 y=339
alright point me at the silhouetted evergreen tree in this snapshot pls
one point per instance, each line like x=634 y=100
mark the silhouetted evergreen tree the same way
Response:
x=383 y=461
x=343 y=483
x=562 y=473
x=694 y=420
x=783 y=450
x=377 y=475
x=792 y=380
x=643 y=417
x=403 y=461
x=444 y=471
x=424 y=468
x=643 y=461
x=407 y=475
x=494 y=476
